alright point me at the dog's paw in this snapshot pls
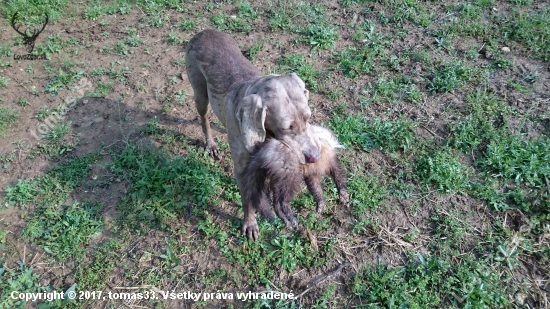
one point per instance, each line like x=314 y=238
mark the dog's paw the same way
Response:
x=213 y=150
x=251 y=229
x=344 y=198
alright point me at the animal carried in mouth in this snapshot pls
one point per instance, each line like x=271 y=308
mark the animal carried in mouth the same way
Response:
x=274 y=167
x=250 y=105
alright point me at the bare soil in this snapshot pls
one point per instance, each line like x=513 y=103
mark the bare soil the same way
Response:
x=116 y=118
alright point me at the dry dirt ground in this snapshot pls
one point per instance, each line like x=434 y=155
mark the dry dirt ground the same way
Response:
x=146 y=84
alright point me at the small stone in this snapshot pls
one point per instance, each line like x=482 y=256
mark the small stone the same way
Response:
x=520 y=298
x=505 y=49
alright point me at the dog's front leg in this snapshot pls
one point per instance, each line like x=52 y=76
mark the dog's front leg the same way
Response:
x=250 y=225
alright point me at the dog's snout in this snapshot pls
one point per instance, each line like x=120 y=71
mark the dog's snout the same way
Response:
x=312 y=156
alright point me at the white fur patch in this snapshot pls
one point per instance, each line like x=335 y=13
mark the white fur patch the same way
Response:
x=328 y=136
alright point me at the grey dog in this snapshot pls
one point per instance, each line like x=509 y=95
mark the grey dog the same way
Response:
x=250 y=105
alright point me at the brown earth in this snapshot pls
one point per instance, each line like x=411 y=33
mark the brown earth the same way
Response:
x=110 y=121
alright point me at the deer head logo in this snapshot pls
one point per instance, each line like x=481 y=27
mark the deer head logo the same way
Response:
x=28 y=36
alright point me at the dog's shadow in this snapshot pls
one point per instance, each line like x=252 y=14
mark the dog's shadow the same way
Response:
x=110 y=127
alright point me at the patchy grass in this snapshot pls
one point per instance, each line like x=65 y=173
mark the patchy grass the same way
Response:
x=516 y=159
x=8 y=118
x=449 y=76
x=531 y=30
x=394 y=90
x=366 y=134
x=442 y=108
x=61 y=80
x=442 y=170
x=467 y=284
x=297 y=63
x=162 y=187
x=63 y=230
x=21 y=280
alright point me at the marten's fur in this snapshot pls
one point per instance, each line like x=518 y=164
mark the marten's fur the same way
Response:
x=273 y=165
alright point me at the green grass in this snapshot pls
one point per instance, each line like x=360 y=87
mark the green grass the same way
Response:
x=467 y=284
x=4 y=81
x=23 y=102
x=225 y=22
x=63 y=80
x=446 y=138
x=531 y=30
x=355 y=62
x=102 y=89
x=92 y=273
x=58 y=141
x=53 y=44
x=5 y=51
x=63 y=230
x=514 y=158
x=254 y=50
x=22 y=280
x=32 y=12
x=298 y=17
x=449 y=76
x=8 y=118
x=367 y=193
x=321 y=36
x=162 y=187
x=478 y=125
x=58 y=228
x=276 y=249
x=442 y=170
x=365 y=134
x=395 y=90
x=297 y=63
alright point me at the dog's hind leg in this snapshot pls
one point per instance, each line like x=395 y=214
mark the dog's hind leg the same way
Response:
x=200 y=92
x=202 y=109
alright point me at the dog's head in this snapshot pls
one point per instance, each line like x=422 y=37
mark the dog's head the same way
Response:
x=277 y=106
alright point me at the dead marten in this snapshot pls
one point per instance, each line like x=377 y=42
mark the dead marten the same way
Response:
x=275 y=166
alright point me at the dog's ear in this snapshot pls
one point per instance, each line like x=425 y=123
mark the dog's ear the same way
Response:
x=251 y=118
